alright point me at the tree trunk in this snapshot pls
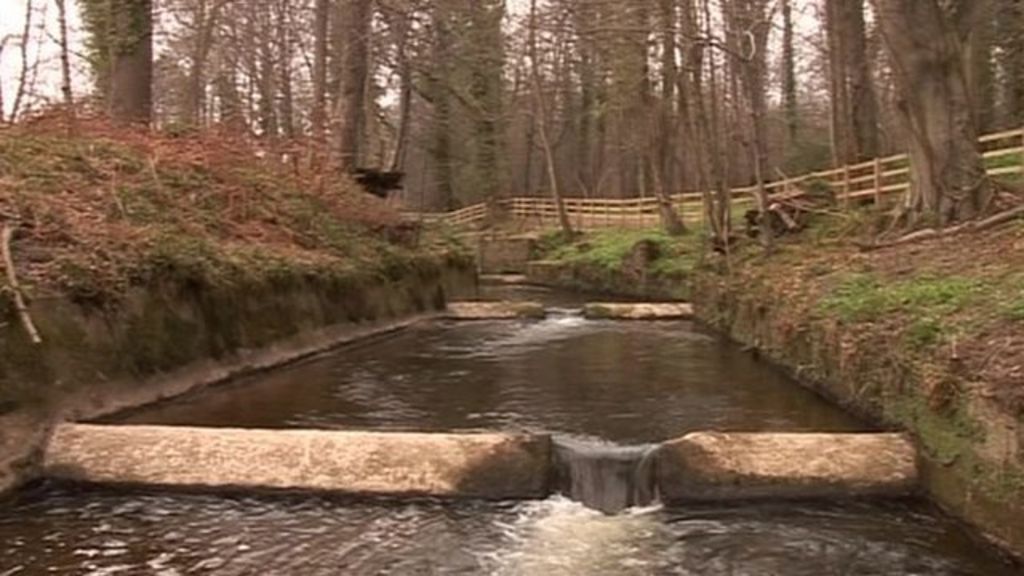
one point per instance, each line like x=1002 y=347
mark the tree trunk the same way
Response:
x=863 y=106
x=355 y=75
x=789 y=95
x=1010 y=56
x=401 y=33
x=19 y=94
x=65 y=59
x=925 y=43
x=540 y=118
x=131 y=61
x=321 y=23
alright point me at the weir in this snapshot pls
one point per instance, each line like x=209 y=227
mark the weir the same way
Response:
x=603 y=476
x=600 y=475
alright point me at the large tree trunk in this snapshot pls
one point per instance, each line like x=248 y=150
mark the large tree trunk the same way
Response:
x=863 y=105
x=1010 y=56
x=925 y=42
x=131 y=61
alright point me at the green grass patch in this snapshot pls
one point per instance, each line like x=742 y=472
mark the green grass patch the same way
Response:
x=609 y=250
x=864 y=298
x=1014 y=309
x=926 y=301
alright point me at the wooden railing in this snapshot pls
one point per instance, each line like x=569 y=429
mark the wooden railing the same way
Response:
x=876 y=181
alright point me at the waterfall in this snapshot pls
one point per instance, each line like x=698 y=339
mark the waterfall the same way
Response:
x=605 y=476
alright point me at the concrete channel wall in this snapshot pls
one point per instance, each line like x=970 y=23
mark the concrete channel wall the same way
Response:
x=701 y=466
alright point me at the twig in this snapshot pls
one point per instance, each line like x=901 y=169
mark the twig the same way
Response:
x=12 y=281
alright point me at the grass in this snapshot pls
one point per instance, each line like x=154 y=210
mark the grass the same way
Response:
x=1014 y=308
x=927 y=303
x=863 y=297
x=609 y=250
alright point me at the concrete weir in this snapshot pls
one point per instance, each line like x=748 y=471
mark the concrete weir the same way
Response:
x=495 y=310
x=697 y=467
x=709 y=466
x=485 y=466
x=638 y=311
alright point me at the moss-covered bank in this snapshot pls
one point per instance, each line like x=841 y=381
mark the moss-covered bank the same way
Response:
x=644 y=264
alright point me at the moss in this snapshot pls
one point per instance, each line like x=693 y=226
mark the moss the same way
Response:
x=945 y=436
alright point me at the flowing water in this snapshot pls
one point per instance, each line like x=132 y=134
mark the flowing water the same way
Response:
x=607 y=391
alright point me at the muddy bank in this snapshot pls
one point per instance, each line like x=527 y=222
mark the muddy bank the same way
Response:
x=173 y=337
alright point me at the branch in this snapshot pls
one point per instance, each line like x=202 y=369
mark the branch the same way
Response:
x=930 y=233
x=12 y=281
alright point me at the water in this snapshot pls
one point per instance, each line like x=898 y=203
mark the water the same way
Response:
x=607 y=391
x=65 y=532
x=628 y=383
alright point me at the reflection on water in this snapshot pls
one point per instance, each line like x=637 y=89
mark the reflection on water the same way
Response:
x=606 y=389
x=64 y=532
x=627 y=383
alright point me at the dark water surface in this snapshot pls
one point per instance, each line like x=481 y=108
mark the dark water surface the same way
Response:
x=602 y=387
x=623 y=382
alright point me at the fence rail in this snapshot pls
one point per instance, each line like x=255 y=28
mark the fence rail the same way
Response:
x=875 y=181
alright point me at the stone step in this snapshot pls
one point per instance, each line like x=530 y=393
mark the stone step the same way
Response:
x=708 y=466
x=485 y=466
x=495 y=310
x=638 y=311
x=503 y=279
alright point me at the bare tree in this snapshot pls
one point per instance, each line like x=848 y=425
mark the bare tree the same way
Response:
x=65 y=59
x=23 y=74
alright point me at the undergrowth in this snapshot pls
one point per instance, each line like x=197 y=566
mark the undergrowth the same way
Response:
x=97 y=208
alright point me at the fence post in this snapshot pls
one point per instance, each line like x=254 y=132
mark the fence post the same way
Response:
x=846 y=187
x=878 y=181
x=1022 y=152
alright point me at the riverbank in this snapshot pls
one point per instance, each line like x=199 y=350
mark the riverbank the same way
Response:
x=155 y=264
x=927 y=337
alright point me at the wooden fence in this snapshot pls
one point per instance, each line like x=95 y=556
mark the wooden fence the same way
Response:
x=876 y=181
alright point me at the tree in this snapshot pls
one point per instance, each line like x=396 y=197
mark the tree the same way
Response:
x=854 y=104
x=131 y=60
x=355 y=75
x=541 y=119
x=789 y=96
x=65 y=59
x=925 y=39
